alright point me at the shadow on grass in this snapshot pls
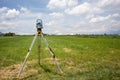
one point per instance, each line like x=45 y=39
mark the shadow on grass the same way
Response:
x=45 y=68
x=29 y=76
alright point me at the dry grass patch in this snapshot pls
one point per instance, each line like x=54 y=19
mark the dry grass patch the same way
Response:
x=67 y=50
x=50 y=60
x=10 y=72
x=71 y=51
x=46 y=48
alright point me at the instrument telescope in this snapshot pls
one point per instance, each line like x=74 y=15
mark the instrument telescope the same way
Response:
x=39 y=24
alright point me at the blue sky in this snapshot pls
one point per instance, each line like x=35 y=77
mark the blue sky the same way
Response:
x=60 y=16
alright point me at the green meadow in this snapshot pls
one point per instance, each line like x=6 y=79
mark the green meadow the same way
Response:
x=80 y=58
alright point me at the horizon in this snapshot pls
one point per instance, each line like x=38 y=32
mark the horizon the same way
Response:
x=1 y=33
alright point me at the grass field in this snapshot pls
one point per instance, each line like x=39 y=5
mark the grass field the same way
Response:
x=81 y=58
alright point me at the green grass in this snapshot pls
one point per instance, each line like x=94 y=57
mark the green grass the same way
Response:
x=81 y=58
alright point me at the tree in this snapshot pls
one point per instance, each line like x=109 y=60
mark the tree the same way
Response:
x=9 y=34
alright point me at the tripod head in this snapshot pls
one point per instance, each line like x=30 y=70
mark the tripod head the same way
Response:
x=39 y=25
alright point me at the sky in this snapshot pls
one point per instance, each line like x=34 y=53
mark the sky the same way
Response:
x=60 y=16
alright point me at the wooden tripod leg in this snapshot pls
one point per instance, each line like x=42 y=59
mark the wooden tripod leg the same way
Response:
x=39 y=47
x=39 y=54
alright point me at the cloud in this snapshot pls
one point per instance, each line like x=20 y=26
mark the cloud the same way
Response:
x=57 y=27
x=56 y=15
x=54 y=24
x=7 y=18
x=18 y=20
x=109 y=23
x=3 y=9
x=83 y=9
x=24 y=10
x=6 y=25
x=103 y=18
x=61 y=4
x=99 y=19
x=25 y=14
x=12 y=13
x=7 y=13
x=109 y=4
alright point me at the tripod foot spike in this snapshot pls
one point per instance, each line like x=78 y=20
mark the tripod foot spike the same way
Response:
x=17 y=78
x=61 y=73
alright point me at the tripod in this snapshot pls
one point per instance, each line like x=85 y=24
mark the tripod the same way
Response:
x=39 y=34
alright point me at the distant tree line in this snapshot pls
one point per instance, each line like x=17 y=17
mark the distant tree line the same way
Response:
x=97 y=35
x=77 y=35
x=7 y=34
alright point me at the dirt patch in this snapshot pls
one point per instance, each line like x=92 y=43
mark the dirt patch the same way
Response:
x=67 y=50
x=10 y=72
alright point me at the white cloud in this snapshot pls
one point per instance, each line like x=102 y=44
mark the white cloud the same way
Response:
x=3 y=9
x=72 y=2
x=55 y=4
x=18 y=21
x=116 y=15
x=7 y=13
x=56 y=27
x=99 y=19
x=56 y=15
x=109 y=4
x=103 y=18
x=6 y=24
x=23 y=9
x=107 y=24
x=12 y=13
x=54 y=24
x=51 y=23
x=83 y=9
